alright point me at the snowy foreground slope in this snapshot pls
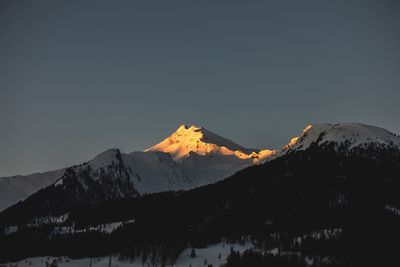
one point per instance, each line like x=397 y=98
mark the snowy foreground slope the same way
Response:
x=214 y=255
x=190 y=157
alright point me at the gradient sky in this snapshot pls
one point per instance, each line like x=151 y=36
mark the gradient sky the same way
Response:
x=78 y=77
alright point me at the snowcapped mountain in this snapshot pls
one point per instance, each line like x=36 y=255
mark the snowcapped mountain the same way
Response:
x=337 y=182
x=187 y=140
x=351 y=135
x=331 y=198
x=189 y=158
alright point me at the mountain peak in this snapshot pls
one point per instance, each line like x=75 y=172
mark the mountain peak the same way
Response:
x=184 y=127
x=355 y=134
x=195 y=139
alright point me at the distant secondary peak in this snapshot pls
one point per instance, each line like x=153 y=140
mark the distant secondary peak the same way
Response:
x=354 y=134
x=105 y=158
x=109 y=153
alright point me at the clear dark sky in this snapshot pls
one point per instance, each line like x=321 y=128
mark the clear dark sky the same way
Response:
x=78 y=77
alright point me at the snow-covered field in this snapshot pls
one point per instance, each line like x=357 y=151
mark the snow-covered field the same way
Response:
x=215 y=255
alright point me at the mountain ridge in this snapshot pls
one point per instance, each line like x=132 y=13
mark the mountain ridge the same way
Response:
x=193 y=156
x=155 y=170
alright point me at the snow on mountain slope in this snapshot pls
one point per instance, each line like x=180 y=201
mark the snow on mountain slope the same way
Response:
x=99 y=166
x=186 y=140
x=108 y=157
x=189 y=158
x=205 y=157
x=211 y=168
x=16 y=188
x=151 y=172
x=155 y=172
x=352 y=134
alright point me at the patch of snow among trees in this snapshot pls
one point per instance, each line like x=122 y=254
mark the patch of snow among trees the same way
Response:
x=393 y=209
x=107 y=228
